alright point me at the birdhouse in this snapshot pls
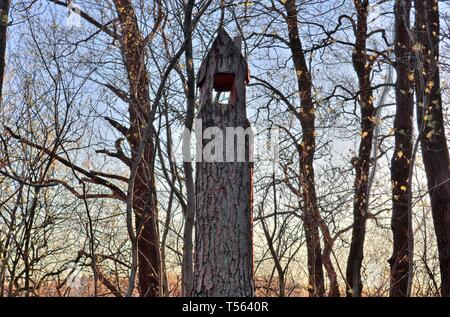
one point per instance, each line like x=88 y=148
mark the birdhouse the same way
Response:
x=224 y=169
x=223 y=70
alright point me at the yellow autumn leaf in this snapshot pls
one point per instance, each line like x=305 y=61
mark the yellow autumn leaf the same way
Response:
x=430 y=86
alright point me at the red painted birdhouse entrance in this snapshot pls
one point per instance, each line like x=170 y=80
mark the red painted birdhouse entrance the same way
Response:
x=223 y=81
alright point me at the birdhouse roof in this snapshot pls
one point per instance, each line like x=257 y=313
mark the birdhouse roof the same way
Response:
x=223 y=47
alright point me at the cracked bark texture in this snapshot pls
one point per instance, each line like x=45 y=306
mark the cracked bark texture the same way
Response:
x=224 y=248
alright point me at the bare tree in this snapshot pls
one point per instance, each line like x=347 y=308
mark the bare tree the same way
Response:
x=431 y=128
x=363 y=64
x=306 y=117
x=402 y=159
x=144 y=187
x=187 y=266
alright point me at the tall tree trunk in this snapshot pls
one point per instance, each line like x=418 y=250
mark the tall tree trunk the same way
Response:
x=187 y=269
x=362 y=63
x=4 y=13
x=308 y=145
x=431 y=126
x=224 y=187
x=144 y=194
x=402 y=158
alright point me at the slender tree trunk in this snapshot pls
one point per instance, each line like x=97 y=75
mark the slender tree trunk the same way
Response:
x=307 y=120
x=431 y=126
x=326 y=259
x=275 y=257
x=402 y=157
x=362 y=63
x=187 y=269
x=270 y=242
x=144 y=194
x=4 y=13
x=173 y=176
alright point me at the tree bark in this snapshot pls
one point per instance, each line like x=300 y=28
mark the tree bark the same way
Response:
x=362 y=63
x=307 y=121
x=431 y=126
x=224 y=252
x=328 y=243
x=224 y=187
x=187 y=270
x=144 y=193
x=402 y=158
x=4 y=13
